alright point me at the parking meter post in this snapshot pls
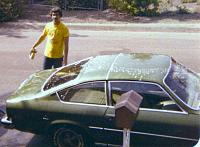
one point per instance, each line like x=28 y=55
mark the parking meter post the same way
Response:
x=126 y=111
x=126 y=137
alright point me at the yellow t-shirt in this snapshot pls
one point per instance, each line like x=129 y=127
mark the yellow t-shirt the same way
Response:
x=55 y=39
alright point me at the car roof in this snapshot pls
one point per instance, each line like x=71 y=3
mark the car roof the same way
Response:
x=135 y=66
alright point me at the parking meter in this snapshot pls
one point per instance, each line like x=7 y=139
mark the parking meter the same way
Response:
x=126 y=111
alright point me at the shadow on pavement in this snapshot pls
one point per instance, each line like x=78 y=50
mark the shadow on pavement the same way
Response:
x=2 y=112
x=43 y=141
x=39 y=13
x=77 y=35
x=2 y=131
x=39 y=141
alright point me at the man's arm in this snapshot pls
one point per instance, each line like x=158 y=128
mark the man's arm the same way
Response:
x=66 y=41
x=40 y=39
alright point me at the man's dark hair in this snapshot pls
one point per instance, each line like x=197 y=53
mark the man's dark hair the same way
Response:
x=56 y=10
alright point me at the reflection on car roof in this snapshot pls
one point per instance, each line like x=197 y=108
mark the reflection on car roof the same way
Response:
x=137 y=66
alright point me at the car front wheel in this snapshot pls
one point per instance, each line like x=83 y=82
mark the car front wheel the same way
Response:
x=68 y=137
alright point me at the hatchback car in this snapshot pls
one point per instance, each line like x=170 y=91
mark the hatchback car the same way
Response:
x=75 y=104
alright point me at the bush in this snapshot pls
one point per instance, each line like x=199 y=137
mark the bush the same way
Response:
x=147 y=7
x=123 y=6
x=183 y=9
x=10 y=9
x=85 y=4
x=136 y=7
x=189 y=1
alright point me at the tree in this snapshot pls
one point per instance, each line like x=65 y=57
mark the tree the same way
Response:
x=10 y=9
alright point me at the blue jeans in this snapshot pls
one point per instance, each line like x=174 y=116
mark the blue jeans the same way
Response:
x=50 y=63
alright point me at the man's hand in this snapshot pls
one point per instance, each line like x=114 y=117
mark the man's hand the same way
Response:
x=33 y=50
x=32 y=53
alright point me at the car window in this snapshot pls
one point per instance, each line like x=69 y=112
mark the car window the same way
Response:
x=185 y=84
x=65 y=74
x=153 y=96
x=89 y=93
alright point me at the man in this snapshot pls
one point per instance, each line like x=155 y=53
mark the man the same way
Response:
x=56 y=50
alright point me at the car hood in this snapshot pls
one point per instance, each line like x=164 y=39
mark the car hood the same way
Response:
x=32 y=85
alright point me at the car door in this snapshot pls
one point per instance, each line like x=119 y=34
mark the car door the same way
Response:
x=84 y=104
x=160 y=120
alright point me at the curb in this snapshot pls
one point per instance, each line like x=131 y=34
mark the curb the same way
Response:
x=160 y=27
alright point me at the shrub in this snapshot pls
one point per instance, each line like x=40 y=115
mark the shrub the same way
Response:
x=183 y=9
x=147 y=7
x=189 y=1
x=136 y=7
x=124 y=6
x=85 y=4
x=10 y=9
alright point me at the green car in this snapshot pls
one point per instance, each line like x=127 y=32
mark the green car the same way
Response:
x=75 y=104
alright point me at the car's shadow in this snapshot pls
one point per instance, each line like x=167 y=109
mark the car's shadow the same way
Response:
x=2 y=112
x=42 y=141
x=2 y=131
x=39 y=141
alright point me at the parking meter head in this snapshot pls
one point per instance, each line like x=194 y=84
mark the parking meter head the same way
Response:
x=126 y=109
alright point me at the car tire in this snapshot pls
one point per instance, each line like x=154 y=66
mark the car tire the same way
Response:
x=70 y=137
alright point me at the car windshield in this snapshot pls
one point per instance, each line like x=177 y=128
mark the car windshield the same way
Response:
x=185 y=84
x=65 y=74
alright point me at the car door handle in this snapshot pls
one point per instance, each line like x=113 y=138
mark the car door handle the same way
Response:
x=45 y=117
x=110 y=117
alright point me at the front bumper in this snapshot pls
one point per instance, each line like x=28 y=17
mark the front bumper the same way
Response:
x=7 y=123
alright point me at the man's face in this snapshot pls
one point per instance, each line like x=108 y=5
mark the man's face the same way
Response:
x=55 y=17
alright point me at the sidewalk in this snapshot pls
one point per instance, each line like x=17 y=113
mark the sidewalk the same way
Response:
x=136 y=27
x=154 y=27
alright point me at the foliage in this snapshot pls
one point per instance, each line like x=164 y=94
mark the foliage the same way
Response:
x=10 y=9
x=136 y=7
x=164 y=6
x=183 y=9
x=78 y=3
x=147 y=7
x=124 y=6
x=189 y=1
